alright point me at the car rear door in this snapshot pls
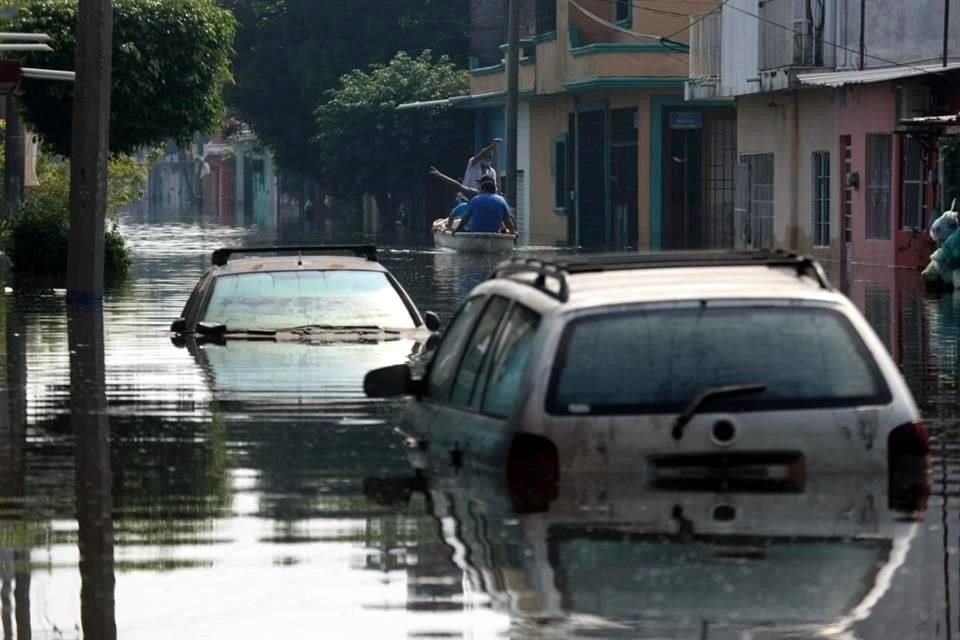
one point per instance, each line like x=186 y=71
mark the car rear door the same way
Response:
x=469 y=423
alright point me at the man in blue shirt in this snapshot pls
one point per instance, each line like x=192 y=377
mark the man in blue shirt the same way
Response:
x=487 y=211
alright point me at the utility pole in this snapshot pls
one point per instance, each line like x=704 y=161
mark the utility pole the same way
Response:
x=946 y=31
x=89 y=150
x=513 y=97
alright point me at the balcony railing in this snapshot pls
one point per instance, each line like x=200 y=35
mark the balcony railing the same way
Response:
x=705 y=51
x=791 y=33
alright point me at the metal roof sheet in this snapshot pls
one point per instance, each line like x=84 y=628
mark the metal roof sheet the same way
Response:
x=867 y=76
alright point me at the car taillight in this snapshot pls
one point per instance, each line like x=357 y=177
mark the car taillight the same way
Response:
x=909 y=439
x=908 y=465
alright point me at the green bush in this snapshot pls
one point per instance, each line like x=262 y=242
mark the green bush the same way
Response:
x=36 y=241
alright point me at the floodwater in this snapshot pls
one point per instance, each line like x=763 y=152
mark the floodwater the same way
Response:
x=149 y=490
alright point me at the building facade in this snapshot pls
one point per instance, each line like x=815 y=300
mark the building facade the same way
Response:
x=609 y=152
x=830 y=158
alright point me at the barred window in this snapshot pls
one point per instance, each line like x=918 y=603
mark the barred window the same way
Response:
x=821 y=198
x=879 y=157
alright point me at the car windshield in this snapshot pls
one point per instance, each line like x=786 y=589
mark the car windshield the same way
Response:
x=656 y=361
x=287 y=299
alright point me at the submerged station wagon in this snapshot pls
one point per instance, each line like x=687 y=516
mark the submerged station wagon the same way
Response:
x=731 y=367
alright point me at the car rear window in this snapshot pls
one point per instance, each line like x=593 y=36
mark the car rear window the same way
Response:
x=287 y=299
x=643 y=361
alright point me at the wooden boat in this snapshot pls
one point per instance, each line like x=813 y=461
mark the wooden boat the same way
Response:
x=471 y=241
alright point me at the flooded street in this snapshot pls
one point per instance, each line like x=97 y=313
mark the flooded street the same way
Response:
x=252 y=491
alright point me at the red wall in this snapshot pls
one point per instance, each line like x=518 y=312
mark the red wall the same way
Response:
x=869 y=109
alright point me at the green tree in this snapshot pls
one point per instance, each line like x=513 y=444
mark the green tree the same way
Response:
x=290 y=52
x=171 y=59
x=366 y=145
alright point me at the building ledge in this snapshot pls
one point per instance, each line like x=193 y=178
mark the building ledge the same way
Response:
x=626 y=82
x=622 y=47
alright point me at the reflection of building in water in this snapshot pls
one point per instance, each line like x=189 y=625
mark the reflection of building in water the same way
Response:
x=891 y=301
x=14 y=528
x=232 y=180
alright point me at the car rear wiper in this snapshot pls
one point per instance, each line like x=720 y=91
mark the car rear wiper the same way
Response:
x=691 y=409
x=218 y=330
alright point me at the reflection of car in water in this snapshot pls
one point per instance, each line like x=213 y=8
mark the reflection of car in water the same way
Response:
x=605 y=554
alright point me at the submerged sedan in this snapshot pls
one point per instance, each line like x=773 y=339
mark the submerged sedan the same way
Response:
x=306 y=292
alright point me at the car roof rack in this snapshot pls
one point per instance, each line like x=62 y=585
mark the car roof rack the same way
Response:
x=221 y=256
x=557 y=268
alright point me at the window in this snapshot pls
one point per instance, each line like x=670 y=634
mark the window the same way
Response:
x=445 y=360
x=621 y=11
x=879 y=155
x=509 y=362
x=914 y=170
x=546 y=18
x=756 y=195
x=475 y=355
x=821 y=198
x=655 y=361
x=287 y=299
x=560 y=172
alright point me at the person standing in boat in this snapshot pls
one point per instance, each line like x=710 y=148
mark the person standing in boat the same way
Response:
x=487 y=212
x=479 y=166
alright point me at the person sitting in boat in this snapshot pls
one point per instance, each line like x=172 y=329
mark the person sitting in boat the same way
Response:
x=487 y=212
x=457 y=213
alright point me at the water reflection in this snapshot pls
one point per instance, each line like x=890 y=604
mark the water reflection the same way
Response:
x=236 y=473
x=91 y=434
x=608 y=555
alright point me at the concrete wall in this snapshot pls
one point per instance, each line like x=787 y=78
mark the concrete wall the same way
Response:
x=766 y=124
x=793 y=126
x=739 y=47
x=899 y=30
x=817 y=122
x=548 y=116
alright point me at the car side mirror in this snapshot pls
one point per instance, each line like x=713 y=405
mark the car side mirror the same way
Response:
x=431 y=321
x=389 y=382
x=179 y=325
x=211 y=329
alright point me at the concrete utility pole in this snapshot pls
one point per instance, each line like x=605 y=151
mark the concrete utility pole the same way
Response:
x=513 y=97
x=89 y=152
x=946 y=31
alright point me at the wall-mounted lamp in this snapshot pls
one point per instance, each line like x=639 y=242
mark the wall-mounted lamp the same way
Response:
x=853 y=180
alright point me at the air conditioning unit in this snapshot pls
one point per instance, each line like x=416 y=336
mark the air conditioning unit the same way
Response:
x=913 y=101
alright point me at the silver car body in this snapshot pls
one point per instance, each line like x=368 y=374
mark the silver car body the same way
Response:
x=830 y=439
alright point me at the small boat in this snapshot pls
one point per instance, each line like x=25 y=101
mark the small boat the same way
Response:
x=471 y=241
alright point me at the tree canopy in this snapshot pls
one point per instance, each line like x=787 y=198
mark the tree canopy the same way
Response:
x=290 y=52
x=171 y=59
x=366 y=145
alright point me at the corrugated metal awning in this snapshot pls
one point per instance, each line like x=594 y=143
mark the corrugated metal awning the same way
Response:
x=466 y=101
x=933 y=120
x=867 y=76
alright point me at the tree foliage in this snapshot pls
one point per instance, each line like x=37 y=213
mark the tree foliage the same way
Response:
x=366 y=145
x=290 y=52
x=171 y=59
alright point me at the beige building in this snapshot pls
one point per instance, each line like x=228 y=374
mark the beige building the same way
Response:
x=609 y=152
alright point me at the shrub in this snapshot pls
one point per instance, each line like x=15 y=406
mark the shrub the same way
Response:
x=37 y=240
